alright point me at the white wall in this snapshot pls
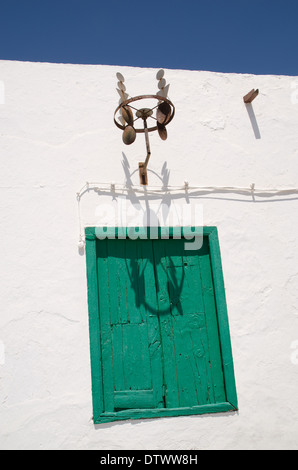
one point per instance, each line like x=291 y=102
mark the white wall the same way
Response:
x=57 y=132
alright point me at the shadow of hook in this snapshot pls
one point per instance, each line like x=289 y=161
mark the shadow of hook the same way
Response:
x=253 y=120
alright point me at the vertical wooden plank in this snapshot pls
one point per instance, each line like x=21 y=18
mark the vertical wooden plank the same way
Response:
x=113 y=250
x=188 y=395
x=118 y=359
x=94 y=333
x=223 y=323
x=148 y=298
x=133 y=280
x=174 y=266
x=117 y=278
x=136 y=357
x=124 y=270
x=183 y=278
x=186 y=303
x=161 y=276
x=166 y=327
x=198 y=336
x=105 y=285
x=131 y=357
x=217 y=388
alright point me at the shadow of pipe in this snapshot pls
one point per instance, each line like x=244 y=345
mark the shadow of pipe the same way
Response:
x=253 y=120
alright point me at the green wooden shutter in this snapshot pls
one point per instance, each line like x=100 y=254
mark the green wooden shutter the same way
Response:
x=159 y=333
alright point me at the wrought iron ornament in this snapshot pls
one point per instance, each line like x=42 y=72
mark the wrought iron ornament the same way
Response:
x=129 y=117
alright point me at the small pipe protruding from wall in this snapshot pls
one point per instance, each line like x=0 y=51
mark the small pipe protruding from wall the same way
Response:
x=250 y=96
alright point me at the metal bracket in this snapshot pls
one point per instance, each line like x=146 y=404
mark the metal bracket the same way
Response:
x=143 y=165
x=143 y=174
x=250 y=96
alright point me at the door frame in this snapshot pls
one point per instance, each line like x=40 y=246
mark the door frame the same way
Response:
x=99 y=415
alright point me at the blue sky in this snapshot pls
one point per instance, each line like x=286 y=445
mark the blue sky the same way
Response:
x=241 y=36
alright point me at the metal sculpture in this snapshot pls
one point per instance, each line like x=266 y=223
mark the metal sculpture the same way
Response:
x=129 y=115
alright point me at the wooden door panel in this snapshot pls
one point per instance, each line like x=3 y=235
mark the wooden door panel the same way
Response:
x=131 y=345
x=189 y=330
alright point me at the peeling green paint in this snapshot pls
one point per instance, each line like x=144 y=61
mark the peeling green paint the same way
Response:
x=159 y=334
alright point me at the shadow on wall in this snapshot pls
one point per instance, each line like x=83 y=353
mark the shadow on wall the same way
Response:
x=164 y=176
x=168 y=421
x=166 y=195
x=253 y=120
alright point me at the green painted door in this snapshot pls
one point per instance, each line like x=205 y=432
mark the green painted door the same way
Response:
x=159 y=334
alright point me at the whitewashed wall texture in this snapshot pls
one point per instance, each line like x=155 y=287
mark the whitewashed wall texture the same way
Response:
x=57 y=133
